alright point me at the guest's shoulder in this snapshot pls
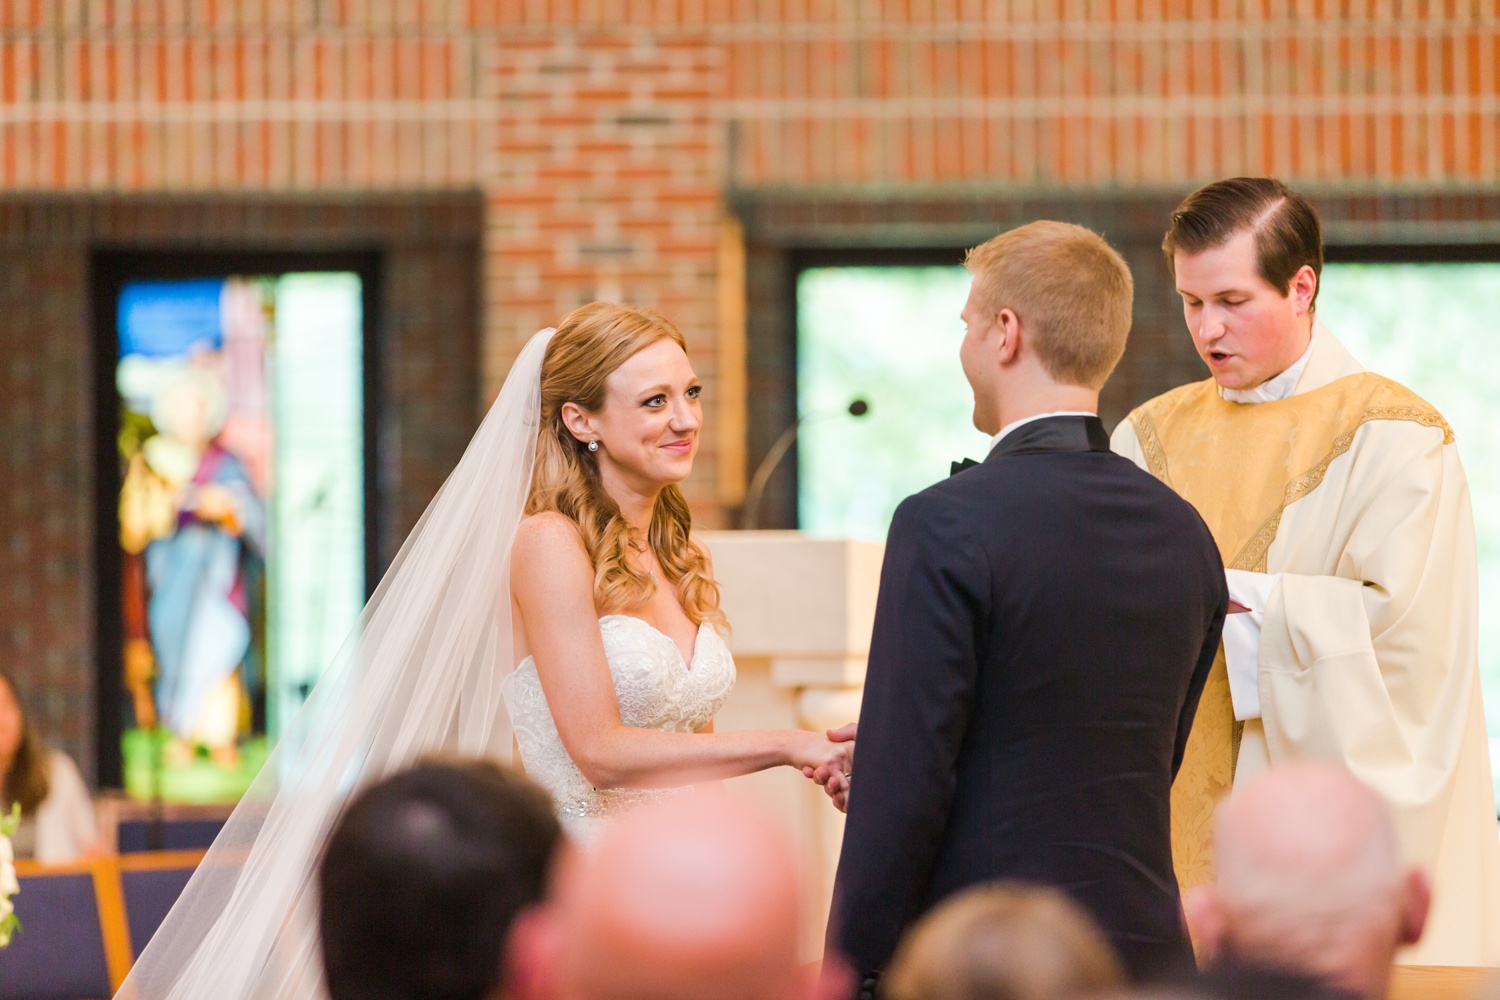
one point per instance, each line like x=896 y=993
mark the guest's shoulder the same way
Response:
x=63 y=775
x=1247 y=981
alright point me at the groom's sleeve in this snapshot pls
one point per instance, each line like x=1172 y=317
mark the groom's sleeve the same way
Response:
x=919 y=691
x=1216 y=590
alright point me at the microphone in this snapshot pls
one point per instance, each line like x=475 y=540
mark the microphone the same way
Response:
x=749 y=514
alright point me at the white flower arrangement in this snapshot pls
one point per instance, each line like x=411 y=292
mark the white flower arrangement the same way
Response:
x=9 y=886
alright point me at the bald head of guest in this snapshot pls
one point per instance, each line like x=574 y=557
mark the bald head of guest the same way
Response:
x=1310 y=878
x=684 y=901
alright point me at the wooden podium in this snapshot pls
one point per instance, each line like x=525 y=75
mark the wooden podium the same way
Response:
x=801 y=610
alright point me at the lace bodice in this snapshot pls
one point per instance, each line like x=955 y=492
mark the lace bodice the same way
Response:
x=655 y=688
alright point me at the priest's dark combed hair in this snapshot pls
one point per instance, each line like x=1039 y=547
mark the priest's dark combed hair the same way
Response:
x=422 y=877
x=1286 y=229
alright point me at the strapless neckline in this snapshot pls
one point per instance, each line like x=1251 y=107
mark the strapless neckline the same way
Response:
x=687 y=662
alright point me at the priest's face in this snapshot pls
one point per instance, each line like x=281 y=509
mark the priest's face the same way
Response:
x=1243 y=327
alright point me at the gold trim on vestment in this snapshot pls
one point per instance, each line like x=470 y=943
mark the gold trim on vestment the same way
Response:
x=1253 y=556
x=1145 y=432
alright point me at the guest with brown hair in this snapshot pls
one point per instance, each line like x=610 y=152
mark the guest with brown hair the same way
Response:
x=424 y=874
x=57 y=816
x=1003 y=942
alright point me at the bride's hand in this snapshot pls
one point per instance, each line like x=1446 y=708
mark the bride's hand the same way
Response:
x=814 y=752
x=836 y=782
x=844 y=734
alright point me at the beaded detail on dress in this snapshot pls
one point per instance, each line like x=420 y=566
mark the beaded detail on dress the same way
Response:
x=655 y=689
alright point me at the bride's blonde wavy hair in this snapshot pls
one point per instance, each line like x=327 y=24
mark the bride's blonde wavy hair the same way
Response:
x=591 y=342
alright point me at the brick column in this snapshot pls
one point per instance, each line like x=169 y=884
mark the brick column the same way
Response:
x=607 y=185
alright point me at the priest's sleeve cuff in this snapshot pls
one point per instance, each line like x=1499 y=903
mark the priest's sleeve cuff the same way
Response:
x=1242 y=638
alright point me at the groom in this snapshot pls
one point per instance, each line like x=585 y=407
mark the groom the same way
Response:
x=1045 y=625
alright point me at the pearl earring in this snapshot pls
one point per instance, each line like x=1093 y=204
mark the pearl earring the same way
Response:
x=594 y=445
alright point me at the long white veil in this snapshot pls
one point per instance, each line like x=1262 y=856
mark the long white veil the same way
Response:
x=420 y=673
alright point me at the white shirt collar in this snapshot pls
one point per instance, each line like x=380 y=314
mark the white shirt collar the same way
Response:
x=1039 y=416
x=1281 y=386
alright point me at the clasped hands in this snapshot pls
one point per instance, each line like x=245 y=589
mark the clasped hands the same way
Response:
x=835 y=780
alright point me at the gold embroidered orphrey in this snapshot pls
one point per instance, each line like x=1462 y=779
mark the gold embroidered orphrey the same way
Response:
x=1241 y=466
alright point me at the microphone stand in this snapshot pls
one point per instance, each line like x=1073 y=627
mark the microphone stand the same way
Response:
x=753 y=496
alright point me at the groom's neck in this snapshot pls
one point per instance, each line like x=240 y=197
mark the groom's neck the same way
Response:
x=1032 y=399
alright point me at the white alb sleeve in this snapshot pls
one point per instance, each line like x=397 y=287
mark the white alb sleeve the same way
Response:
x=1242 y=638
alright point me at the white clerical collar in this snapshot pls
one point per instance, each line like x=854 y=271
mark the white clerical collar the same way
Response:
x=1040 y=416
x=1281 y=386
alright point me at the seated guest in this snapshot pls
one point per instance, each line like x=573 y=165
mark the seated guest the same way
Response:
x=57 y=815
x=1236 y=983
x=423 y=875
x=1309 y=880
x=1228 y=979
x=687 y=900
x=1003 y=942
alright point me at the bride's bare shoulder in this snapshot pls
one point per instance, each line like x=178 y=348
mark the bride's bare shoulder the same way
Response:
x=547 y=535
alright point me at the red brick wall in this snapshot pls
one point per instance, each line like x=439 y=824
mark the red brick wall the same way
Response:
x=607 y=183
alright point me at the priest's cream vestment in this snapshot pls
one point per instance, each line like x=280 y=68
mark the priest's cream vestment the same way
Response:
x=1342 y=513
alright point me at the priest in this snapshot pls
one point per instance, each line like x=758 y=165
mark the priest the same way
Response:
x=1342 y=514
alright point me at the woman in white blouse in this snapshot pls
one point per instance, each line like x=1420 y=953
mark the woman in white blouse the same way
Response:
x=57 y=816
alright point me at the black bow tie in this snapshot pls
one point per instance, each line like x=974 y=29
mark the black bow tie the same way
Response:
x=958 y=467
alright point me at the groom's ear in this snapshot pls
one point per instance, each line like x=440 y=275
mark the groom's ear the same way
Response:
x=1008 y=336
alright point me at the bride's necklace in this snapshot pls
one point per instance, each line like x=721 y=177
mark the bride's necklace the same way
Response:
x=649 y=571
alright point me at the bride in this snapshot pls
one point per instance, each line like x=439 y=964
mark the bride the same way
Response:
x=614 y=605
x=564 y=512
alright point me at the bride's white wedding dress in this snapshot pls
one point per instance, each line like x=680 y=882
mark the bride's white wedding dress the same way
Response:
x=655 y=688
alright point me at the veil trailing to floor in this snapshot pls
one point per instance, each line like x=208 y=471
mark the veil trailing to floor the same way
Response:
x=419 y=674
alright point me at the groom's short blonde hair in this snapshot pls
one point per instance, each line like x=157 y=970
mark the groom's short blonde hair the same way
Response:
x=1068 y=287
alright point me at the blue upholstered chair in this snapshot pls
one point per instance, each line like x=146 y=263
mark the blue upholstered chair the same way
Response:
x=172 y=834
x=152 y=883
x=60 y=953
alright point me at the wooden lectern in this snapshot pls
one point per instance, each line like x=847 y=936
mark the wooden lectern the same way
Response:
x=801 y=610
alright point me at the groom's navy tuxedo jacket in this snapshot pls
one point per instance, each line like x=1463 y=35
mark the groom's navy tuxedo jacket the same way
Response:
x=1046 y=623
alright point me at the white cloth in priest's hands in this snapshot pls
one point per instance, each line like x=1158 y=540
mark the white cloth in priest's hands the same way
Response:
x=1242 y=638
